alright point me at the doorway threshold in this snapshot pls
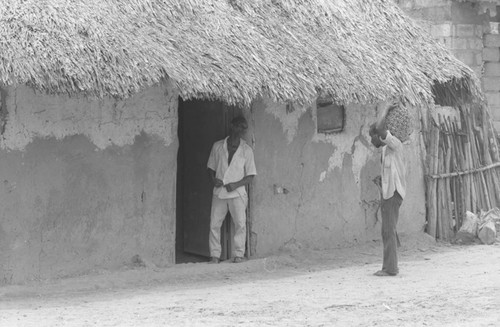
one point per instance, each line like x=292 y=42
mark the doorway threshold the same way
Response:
x=184 y=257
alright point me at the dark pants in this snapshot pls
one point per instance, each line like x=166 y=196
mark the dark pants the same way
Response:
x=390 y=214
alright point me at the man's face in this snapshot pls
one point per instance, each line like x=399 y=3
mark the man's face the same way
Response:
x=239 y=129
x=376 y=141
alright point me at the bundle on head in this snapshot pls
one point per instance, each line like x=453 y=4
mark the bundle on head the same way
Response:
x=398 y=122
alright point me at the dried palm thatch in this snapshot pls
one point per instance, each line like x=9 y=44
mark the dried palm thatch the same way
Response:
x=356 y=51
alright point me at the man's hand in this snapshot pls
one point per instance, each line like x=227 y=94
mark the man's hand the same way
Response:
x=218 y=183
x=211 y=176
x=384 y=107
x=378 y=181
x=231 y=187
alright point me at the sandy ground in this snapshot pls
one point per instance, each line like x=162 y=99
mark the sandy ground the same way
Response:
x=439 y=285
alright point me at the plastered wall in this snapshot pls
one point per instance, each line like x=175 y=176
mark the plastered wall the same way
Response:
x=86 y=184
x=330 y=199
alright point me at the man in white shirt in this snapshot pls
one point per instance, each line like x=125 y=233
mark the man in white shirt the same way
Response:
x=393 y=185
x=231 y=168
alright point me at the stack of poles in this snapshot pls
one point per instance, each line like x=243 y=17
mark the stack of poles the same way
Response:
x=463 y=169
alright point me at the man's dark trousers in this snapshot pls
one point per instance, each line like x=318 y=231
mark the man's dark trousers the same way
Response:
x=390 y=214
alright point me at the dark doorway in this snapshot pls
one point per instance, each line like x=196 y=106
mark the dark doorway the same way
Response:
x=201 y=123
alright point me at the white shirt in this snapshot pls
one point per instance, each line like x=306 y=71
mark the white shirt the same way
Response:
x=393 y=167
x=242 y=164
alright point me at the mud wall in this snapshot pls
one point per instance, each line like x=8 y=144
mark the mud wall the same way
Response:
x=86 y=184
x=329 y=198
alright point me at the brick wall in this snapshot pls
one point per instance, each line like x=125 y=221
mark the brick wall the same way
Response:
x=471 y=33
x=491 y=76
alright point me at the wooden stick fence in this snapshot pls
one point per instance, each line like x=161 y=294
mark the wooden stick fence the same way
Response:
x=462 y=169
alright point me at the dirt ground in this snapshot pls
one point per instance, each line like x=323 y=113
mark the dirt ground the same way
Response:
x=438 y=285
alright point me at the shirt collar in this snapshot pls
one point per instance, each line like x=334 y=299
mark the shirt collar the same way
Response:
x=242 y=142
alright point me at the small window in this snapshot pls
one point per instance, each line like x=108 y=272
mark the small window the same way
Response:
x=330 y=117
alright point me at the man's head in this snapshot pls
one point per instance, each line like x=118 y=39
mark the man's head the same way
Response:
x=375 y=136
x=239 y=126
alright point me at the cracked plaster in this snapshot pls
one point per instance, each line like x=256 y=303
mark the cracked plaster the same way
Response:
x=104 y=122
x=350 y=141
x=289 y=120
x=342 y=142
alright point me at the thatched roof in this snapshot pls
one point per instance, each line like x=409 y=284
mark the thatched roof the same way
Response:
x=233 y=50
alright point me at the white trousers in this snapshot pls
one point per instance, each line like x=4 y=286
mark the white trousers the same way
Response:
x=236 y=207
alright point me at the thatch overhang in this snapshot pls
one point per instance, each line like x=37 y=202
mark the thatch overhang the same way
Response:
x=356 y=51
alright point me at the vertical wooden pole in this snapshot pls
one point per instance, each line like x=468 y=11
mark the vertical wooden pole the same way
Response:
x=432 y=183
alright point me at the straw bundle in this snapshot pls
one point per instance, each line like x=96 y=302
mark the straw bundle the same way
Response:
x=398 y=121
x=355 y=51
x=463 y=169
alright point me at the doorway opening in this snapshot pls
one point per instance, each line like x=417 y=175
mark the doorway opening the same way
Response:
x=201 y=123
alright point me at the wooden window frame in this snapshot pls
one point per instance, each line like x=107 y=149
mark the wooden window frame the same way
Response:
x=323 y=103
